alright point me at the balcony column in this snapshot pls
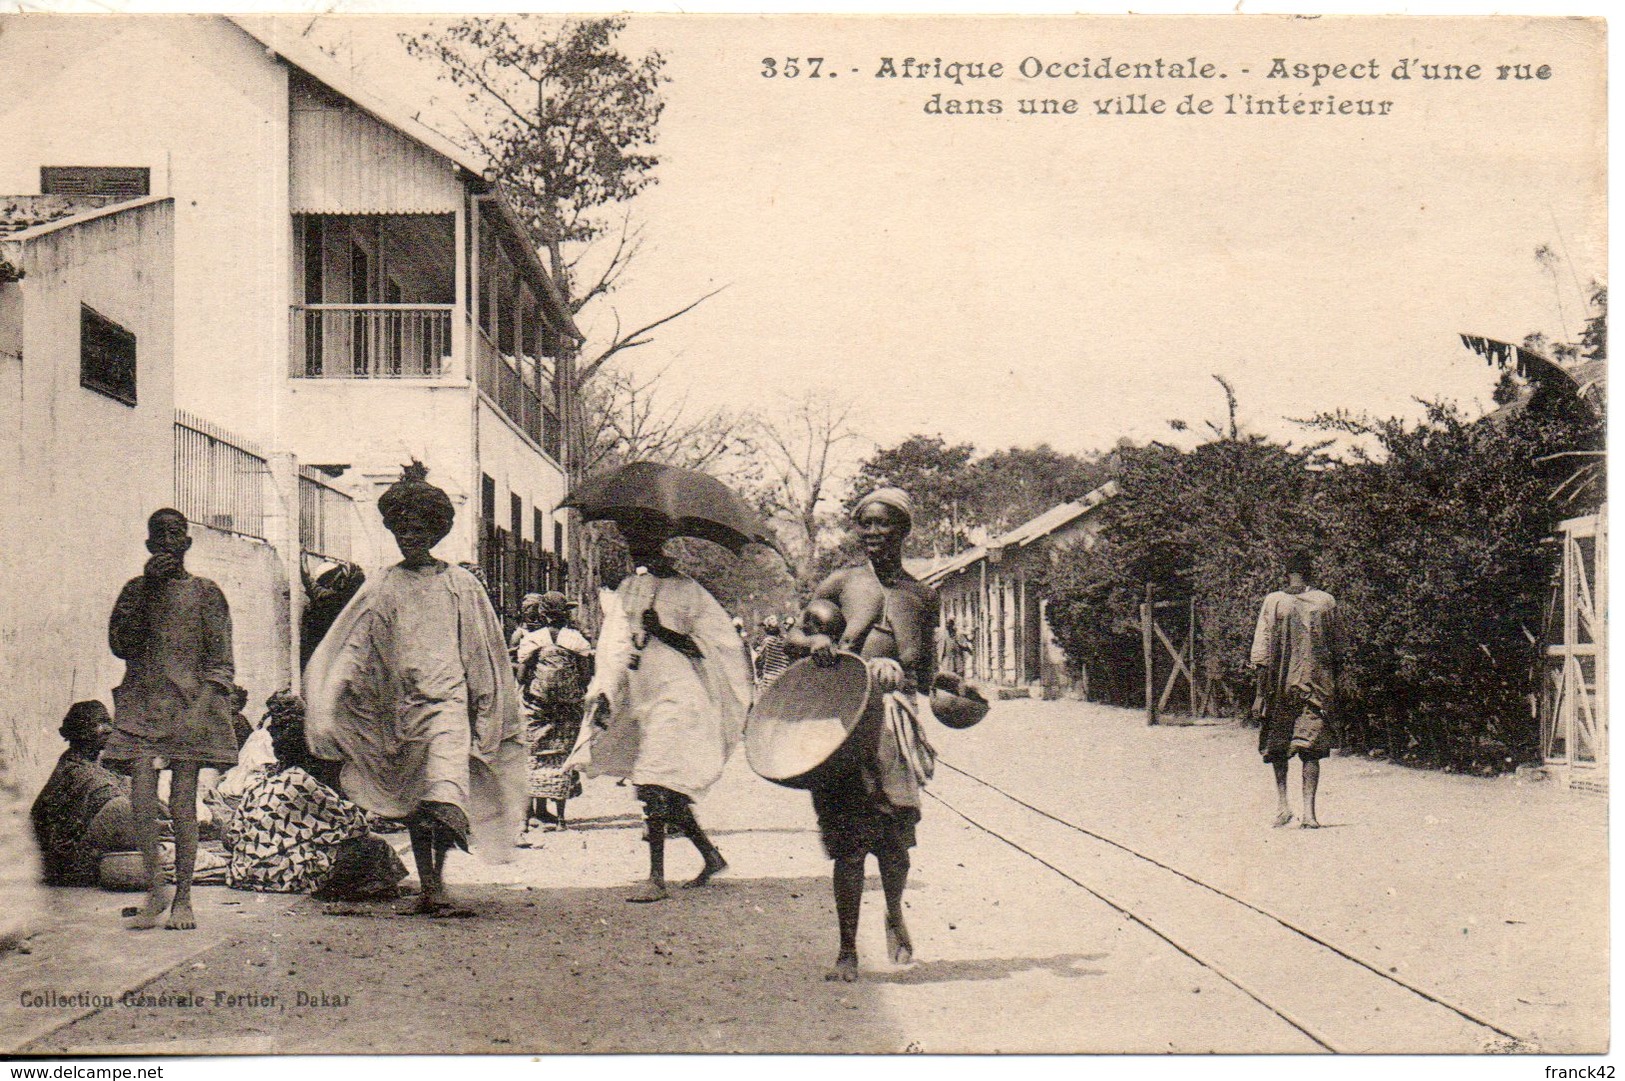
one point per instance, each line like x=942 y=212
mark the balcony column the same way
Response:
x=460 y=367
x=282 y=533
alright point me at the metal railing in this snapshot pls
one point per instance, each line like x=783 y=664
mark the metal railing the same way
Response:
x=325 y=514
x=500 y=378
x=371 y=341
x=514 y=566
x=219 y=478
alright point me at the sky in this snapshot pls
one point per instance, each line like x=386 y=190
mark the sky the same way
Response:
x=1008 y=280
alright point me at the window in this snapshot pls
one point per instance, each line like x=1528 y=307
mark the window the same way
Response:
x=488 y=500
x=516 y=516
x=115 y=181
x=106 y=356
x=537 y=533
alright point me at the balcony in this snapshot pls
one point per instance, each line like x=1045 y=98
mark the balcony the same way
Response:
x=372 y=341
x=512 y=383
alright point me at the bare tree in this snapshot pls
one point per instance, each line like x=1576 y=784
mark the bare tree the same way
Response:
x=805 y=449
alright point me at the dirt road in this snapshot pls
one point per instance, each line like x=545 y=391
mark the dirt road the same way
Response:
x=1431 y=875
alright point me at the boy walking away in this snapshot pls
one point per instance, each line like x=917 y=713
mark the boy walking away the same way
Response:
x=175 y=706
x=1295 y=660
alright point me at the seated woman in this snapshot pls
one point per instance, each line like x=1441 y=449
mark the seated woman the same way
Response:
x=293 y=834
x=83 y=811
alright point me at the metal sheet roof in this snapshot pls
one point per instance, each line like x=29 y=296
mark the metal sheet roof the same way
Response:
x=270 y=32
x=1057 y=517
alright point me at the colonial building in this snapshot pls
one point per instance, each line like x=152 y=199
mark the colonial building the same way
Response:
x=991 y=593
x=348 y=287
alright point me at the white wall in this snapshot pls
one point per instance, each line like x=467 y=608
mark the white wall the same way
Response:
x=517 y=467
x=376 y=426
x=202 y=105
x=82 y=470
x=256 y=587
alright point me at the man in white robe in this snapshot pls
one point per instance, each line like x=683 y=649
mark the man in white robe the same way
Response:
x=413 y=690
x=668 y=700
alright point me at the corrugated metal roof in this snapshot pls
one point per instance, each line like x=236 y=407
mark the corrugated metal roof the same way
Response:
x=1057 y=517
x=268 y=31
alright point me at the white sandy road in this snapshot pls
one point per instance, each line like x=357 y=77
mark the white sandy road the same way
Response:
x=1014 y=957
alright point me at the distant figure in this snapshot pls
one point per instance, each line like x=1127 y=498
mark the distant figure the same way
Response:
x=555 y=663
x=953 y=649
x=84 y=810
x=175 y=707
x=771 y=658
x=668 y=700
x=873 y=807
x=325 y=598
x=1295 y=656
x=530 y=618
x=412 y=688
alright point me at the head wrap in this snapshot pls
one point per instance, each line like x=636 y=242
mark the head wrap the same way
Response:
x=413 y=497
x=82 y=721
x=554 y=601
x=895 y=498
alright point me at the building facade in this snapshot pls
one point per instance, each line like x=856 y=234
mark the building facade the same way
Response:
x=991 y=594
x=348 y=287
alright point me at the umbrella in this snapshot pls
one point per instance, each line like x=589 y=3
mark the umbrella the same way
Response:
x=698 y=505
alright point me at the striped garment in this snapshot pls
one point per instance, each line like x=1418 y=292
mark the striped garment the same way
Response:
x=771 y=661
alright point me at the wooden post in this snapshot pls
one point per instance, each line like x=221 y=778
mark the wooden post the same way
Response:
x=1191 y=645
x=1147 y=645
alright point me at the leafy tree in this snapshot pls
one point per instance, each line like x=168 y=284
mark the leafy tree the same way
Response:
x=936 y=475
x=1431 y=534
x=1011 y=486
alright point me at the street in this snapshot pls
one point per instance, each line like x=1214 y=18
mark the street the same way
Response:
x=1489 y=897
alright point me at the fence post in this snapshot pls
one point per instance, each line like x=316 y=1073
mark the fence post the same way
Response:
x=282 y=533
x=1148 y=647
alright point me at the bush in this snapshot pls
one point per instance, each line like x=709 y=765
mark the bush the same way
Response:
x=1434 y=541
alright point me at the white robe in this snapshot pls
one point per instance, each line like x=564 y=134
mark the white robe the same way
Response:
x=413 y=690
x=672 y=721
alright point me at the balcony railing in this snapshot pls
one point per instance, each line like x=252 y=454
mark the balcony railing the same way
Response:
x=372 y=341
x=500 y=378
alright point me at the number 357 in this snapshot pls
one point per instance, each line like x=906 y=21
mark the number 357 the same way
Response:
x=790 y=67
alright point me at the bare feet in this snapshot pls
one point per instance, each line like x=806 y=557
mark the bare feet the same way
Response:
x=1309 y=824
x=439 y=907
x=845 y=970
x=714 y=865
x=148 y=915
x=180 y=916
x=1282 y=819
x=648 y=893
x=899 y=947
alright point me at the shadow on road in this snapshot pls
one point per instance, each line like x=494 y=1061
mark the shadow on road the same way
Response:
x=1068 y=965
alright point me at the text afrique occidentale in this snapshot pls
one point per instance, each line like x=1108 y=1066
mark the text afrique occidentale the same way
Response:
x=1110 y=71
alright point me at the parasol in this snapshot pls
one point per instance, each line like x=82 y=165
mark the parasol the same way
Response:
x=697 y=505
